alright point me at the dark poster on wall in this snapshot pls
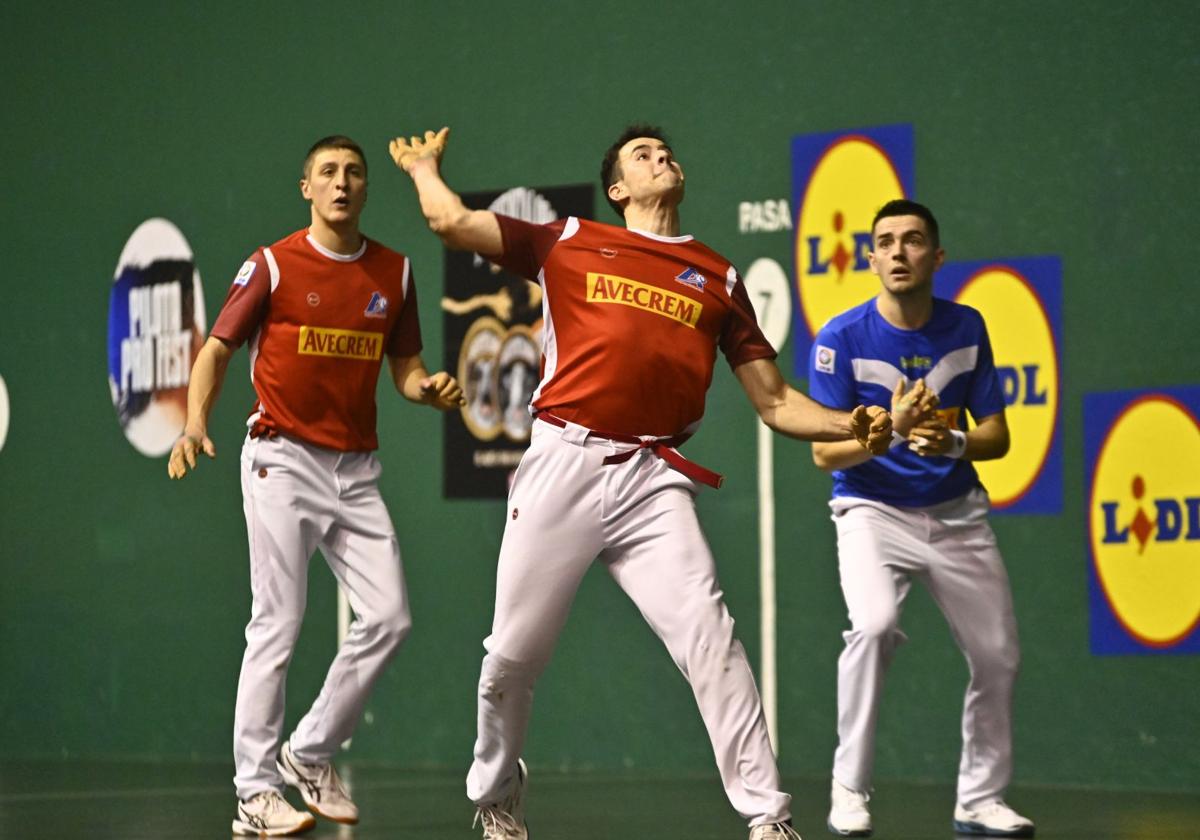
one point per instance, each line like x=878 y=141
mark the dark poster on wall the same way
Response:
x=492 y=328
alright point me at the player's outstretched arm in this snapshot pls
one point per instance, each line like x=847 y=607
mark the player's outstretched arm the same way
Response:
x=416 y=384
x=459 y=227
x=791 y=413
x=208 y=374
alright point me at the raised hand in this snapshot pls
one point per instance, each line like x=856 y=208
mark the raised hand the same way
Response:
x=407 y=152
x=912 y=407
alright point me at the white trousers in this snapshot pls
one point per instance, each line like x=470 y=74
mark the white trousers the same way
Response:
x=951 y=548
x=567 y=509
x=299 y=497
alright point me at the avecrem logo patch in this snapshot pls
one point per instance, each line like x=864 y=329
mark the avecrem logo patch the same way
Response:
x=1020 y=300
x=608 y=288
x=839 y=180
x=343 y=344
x=1143 y=523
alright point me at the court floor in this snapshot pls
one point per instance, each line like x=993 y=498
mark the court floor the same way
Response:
x=65 y=800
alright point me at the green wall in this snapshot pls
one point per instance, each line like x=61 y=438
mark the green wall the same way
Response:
x=1041 y=128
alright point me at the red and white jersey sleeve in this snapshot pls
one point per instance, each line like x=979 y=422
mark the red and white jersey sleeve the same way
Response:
x=319 y=324
x=632 y=323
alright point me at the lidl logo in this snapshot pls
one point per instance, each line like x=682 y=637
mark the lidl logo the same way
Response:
x=839 y=180
x=1021 y=302
x=1143 y=458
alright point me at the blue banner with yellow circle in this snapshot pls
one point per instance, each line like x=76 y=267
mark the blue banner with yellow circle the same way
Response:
x=1142 y=456
x=839 y=180
x=1021 y=303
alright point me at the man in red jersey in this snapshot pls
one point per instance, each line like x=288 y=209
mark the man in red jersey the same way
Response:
x=633 y=319
x=320 y=309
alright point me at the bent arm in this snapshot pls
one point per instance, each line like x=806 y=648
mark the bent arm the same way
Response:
x=840 y=455
x=788 y=411
x=407 y=373
x=416 y=384
x=989 y=439
x=459 y=227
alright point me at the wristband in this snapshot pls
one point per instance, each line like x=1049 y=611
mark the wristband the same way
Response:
x=958 y=445
x=897 y=440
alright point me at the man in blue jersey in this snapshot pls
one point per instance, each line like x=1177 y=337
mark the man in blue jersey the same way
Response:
x=918 y=511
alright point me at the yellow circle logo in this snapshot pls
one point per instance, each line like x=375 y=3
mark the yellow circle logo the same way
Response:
x=852 y=180
x=1144 y=520
x=1027 y=364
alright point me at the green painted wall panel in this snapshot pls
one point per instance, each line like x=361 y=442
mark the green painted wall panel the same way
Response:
x=1041 y=128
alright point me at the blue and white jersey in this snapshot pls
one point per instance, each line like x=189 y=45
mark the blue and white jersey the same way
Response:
x=858 y=357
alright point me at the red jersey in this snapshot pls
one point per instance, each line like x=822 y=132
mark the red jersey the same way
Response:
x=632 y=323
x=319 y=323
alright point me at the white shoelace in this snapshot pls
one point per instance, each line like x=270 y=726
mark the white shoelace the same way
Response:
x=497 y=824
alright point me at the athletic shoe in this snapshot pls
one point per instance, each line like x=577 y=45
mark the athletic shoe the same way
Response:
x=506 y=819
x=774 y=831
x=268 y=814
x=319 y=785
x=848 y=814
x=992 y=819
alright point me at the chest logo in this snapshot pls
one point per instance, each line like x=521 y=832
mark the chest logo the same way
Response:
x=342 y=344
x=691 y=277
x=608 y=253
x=313 y=299
x=918 y=362
x=377 y=308
x=607 y=288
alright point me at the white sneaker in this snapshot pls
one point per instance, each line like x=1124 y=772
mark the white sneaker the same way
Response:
x=774 y=831
x=506 y=819
x=992 y=819
x=319 y=785
x=848 y=814
x=268 y=814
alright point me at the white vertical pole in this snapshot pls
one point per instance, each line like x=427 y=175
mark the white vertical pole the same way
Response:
x=767 y=285
x=766 y=566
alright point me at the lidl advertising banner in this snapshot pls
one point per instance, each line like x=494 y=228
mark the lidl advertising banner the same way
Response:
x=1021 y=303
x=839 y=180
x=1142 y=456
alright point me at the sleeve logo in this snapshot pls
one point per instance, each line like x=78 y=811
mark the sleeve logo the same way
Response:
x=826 y=356
x=245 y=273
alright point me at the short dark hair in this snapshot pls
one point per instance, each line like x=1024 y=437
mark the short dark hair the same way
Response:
x=333 y=141
x=610 y=167
x=904 y=207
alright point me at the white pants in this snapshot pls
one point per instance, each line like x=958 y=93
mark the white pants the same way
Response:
x=565 y=510
x=951 y=548
x=298 y=497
